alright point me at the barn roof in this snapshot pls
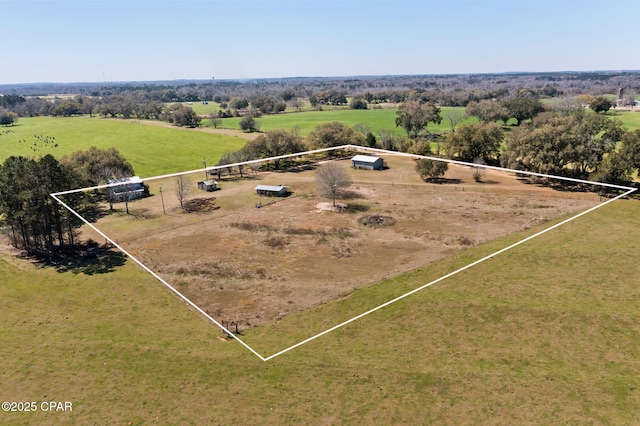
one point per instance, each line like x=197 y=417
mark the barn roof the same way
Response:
x=132 y=179
x=271 y=188
x=365 y=158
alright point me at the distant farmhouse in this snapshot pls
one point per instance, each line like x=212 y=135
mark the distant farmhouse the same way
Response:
x=126 y=189
x=367 y=162
x=272 y=190
x=208 y=185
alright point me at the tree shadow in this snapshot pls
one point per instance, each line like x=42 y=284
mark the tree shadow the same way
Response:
x=558 y=184
x=301 y=168
x=444 y=181
x=93 y=212
x=351 y=195
x=358 y=208
x=98 y=260
x=88 y=259
x=236 y=178
x=142 y=214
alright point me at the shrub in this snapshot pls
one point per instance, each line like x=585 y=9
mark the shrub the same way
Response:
x=249 y=124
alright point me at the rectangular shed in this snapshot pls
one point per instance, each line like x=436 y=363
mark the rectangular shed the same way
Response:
x=208 y=185
x=272 y=190
x=367 y=162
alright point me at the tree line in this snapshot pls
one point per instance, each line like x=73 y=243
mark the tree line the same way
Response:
x=36 y=222
x=148 y=100
x=445 y=89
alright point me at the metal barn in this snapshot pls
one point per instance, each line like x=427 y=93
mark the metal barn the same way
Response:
x=367 y=162
x=272 y=190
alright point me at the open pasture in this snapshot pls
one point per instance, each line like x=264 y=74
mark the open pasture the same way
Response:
x=376 y=119
x=630 y=119
x=152 y=150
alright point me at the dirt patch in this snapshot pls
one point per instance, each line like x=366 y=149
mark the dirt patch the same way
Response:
x=330 y=207
x=200 y=205
x=376 y=221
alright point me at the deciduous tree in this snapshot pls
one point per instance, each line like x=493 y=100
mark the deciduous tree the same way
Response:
x=7 y=118
x=473 y=141
x=249 y=124
x=563 y=144
x=414 y=116
x=334 y=133
x=183 y=189
x=272 y=144
x=238 y=102
x=487 y=111
x=431 y=169
x=454 y=118
x=358 y=102
x=600 y=104
x=332 y=179
x=97 y=165
x=523 y=107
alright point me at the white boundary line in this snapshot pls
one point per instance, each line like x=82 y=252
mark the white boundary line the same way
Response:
x=156 y=276
x=56 y=195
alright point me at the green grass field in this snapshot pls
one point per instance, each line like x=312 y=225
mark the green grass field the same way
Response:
x=630 y=119
x=203 y=109
x=152 y=150
x=305 y=122
x=548 y=333
x=377 y=119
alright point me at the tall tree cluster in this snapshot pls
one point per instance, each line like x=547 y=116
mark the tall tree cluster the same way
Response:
x=563 y=144
x=36 y=222
x=414 y=116
x=477 y=141
x=270 y=144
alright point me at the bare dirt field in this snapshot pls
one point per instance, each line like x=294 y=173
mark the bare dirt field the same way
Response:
x=250 y=259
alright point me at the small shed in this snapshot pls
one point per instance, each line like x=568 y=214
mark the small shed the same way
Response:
x=367 y=162
x=208 y=185
x=272 y=190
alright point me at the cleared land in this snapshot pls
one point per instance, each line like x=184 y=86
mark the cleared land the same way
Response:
x=253 y=265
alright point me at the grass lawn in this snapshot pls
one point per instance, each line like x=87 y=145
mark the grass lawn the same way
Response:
x=630 y=119
x=548 y=333
x=152 y=150
x=202 y=109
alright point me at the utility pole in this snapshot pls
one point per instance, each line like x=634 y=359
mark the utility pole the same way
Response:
x=206 y=176
x=162 y=198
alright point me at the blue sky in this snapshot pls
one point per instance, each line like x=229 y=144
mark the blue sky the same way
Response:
x=133 y=40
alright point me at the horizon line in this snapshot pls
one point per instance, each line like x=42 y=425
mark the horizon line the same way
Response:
x=248 y=79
